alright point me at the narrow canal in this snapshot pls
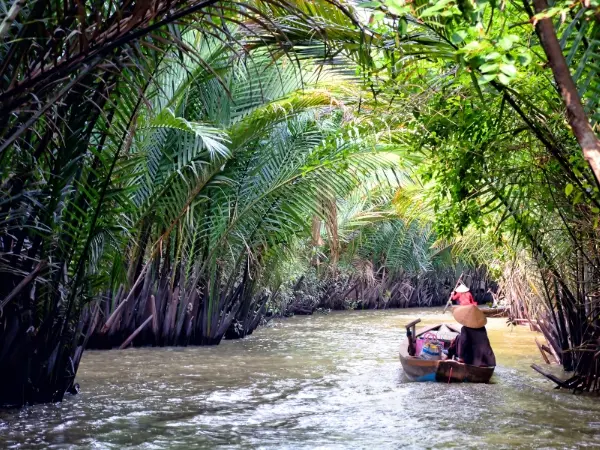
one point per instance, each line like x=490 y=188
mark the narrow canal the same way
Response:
x=325 y=381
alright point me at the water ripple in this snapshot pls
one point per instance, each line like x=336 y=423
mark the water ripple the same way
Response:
x=325 y=381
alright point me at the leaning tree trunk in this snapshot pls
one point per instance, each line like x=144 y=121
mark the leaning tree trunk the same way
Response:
x=587 y=139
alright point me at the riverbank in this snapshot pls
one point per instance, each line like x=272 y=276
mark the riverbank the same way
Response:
x=401 y=290
x=330 y=381
x=168 y=318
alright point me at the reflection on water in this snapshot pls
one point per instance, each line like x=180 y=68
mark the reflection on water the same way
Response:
x=326 y=381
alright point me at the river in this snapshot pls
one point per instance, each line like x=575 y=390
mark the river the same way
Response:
x=324 y=381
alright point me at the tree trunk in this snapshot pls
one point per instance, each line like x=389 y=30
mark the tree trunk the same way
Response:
x=587 y=139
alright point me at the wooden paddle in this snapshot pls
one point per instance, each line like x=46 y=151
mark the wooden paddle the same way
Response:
x=449 y=302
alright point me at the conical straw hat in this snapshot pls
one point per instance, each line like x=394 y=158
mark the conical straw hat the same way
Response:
x=462 y=288
x=469 y=316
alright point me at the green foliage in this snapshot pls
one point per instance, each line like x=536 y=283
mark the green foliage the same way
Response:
x=120 y=156
x=217 y=151
x=498 y=154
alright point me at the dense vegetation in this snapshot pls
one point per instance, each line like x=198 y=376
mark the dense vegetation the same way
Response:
x=173 y=172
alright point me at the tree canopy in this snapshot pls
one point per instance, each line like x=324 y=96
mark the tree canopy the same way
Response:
x=169 y=170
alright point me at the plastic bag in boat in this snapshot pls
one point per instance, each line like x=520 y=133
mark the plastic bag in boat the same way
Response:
x=432 y=348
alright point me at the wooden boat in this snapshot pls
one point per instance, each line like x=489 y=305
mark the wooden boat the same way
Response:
x=500 y=311
x=447 y=371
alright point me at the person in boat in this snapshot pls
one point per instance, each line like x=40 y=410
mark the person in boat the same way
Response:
x=472 y=345
x=462 y=296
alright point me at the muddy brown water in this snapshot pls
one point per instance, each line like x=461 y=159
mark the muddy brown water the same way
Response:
x=325 y=381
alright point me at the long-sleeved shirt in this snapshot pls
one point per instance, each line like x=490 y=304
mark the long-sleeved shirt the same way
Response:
x=463 y=298
x=472 y=345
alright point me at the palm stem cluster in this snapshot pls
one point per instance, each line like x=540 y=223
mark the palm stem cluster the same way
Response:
x=152 y=154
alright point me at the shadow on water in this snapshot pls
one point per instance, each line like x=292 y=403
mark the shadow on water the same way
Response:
x=325 y=381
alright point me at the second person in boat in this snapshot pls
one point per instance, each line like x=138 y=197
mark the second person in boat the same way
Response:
x=462 y=296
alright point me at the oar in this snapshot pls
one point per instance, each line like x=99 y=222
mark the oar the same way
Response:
x=449 y=302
